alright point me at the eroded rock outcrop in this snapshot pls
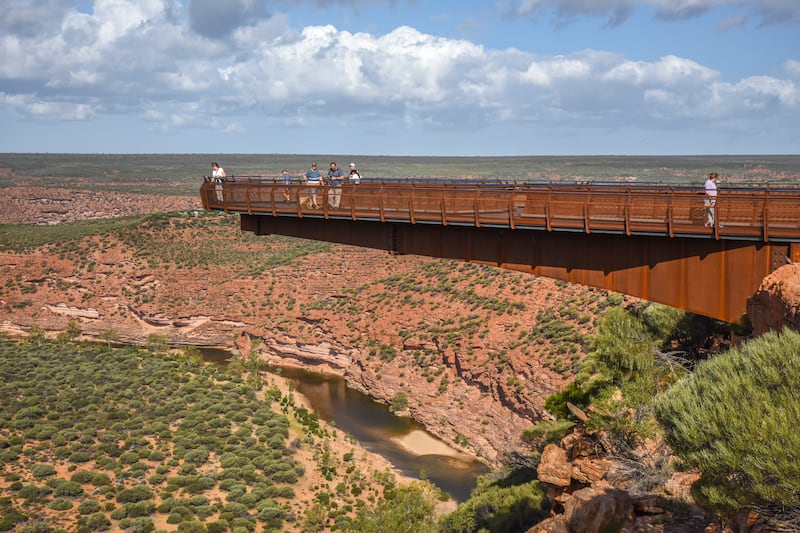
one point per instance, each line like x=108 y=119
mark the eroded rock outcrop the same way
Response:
x=776 y=304
x=593 y=491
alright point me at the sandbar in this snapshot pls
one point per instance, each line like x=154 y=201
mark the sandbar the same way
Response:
x=420 y=443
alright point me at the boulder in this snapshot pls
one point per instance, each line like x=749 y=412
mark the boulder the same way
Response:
x=596 y=509
x=776 y=304
x=554 y=467
x=589 y=469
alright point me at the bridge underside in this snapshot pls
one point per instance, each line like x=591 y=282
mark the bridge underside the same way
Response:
x=705 y=276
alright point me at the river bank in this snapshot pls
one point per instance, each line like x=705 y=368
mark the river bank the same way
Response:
x=340 y=444
x=411 y=451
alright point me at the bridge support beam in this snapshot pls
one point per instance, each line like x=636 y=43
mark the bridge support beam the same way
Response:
x=705 y=276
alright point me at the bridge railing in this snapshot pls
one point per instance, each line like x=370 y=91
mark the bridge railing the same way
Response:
x=754 y=213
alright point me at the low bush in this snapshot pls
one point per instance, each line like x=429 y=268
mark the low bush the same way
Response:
x=736 y=418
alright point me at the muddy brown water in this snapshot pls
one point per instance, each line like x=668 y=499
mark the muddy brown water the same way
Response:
x=379 y=430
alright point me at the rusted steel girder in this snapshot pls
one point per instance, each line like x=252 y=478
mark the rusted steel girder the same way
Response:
x=705 y=276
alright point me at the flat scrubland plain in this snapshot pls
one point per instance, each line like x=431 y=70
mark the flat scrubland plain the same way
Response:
x=180 y=174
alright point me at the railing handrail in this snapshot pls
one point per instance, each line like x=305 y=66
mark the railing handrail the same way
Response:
x=521 y=183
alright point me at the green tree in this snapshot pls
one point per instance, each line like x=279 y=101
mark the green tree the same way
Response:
x=624 y=342
x=72 y=331
x=156 y=342
x=36 y=335
x=109 y=335
x=192 y=356
x=736 y=418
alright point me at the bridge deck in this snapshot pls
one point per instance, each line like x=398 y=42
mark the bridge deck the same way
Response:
x=742 y=213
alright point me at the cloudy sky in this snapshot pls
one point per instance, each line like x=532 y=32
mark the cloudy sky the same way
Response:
x=401 y=77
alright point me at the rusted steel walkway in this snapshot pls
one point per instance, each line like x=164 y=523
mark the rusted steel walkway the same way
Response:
x=644 y=240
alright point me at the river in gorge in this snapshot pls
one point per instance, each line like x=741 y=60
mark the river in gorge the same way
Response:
x=401 y=440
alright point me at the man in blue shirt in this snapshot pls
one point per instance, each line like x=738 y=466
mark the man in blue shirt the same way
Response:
x=313 y=178
x=335 y=179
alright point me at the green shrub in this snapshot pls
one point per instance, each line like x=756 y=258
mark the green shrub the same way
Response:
x=409 y=505
x=547 y=431
x=69 y=488
x=100 y=480
x=220 y=526
x=135 y=494
x=736 y=419
x=662 y=320
x=143 y=508
x=80 y=457
x=43 y=470
x=88 y=507
x=192 y=527
x=174 y=518
x=98 y=522
x=399 y=402
x=60 y=504
x=502 y=506
x=139 y=525
x=82 y=476
x=624 y=342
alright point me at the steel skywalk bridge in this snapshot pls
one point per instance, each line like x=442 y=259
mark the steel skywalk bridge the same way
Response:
x=643 y=240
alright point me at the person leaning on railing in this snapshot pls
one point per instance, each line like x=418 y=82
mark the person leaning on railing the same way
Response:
x=287 y=181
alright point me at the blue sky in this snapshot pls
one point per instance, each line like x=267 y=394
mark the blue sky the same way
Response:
x=397 y=77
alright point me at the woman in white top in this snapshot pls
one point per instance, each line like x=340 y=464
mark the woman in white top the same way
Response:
x=355 y=176
x=217 y=173
x=711 y=198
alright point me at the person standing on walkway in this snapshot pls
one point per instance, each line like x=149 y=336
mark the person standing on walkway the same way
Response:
x=313 y=177
x=217 y=176
x=287 y=181
x=711 y=198
x=335 y=180
x=355 y=175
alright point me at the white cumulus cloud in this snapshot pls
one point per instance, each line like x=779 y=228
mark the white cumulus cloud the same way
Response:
x=152 y=59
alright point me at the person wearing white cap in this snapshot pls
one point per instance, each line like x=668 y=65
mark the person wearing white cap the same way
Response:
x=355 y=176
